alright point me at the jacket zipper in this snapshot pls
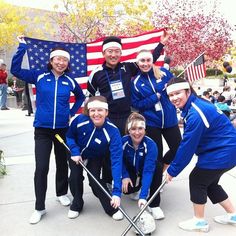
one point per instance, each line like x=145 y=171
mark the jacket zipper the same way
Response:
x=55 y=103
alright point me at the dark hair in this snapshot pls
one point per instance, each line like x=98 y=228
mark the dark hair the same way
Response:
x=167 y=60
x=49 y=65
x=175 y=80
x=91 y=99
x=221 y=98
x=215 y=92
x=205 y=93
x=112 y=39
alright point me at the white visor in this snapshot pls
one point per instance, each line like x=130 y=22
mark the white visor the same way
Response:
x=177 y=86
x=111 y=44
x=61 y=53
x=139 y=123
x=97 y=104
x=142 y=55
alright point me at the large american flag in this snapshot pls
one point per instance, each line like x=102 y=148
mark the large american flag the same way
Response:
x=87 y=56
x=196 y=70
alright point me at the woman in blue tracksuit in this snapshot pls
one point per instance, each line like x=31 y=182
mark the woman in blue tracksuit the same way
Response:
x=150 y=99
x=91 y=137
x=139 y=173
x=52 y=117
x=209 y=134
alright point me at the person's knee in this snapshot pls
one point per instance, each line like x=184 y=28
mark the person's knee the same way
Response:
x=198 y=192
x=217 y=194
x=42 y=169
x=198 y=195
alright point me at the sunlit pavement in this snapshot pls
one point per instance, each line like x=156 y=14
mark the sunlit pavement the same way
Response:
x=17 y=195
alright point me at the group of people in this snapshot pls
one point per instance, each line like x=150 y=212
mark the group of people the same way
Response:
x=19 y=89
x=222 y=100
x=121 y=147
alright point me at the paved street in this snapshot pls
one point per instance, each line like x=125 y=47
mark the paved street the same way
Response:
x=17 y=195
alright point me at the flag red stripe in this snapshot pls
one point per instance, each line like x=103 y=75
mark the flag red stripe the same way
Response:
x=123 y=58
x=196 y=72
x=98 y=48
x=82 y=85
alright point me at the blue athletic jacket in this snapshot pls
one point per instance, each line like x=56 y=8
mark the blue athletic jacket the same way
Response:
x=142 y=161
x=143 y=93
x=52 y=94
x=209 y=134
x=88 y=141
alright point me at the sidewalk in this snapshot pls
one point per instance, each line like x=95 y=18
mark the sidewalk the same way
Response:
x=17 y=195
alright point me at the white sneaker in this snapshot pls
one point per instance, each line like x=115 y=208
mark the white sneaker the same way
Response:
x=73 y=214
x=226 y=219
x=157 y=213
x=195 y=224
x=36 y=216
x=118 y=216
x=64 y=200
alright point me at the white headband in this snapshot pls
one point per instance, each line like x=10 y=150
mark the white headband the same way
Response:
x=60 y=53
x=177 y=86
x=111 y=44
x=142 y=55
x=97 y=104
x=139 y=123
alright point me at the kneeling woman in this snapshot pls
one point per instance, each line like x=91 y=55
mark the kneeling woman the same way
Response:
x=139 y=164
x=90 y=137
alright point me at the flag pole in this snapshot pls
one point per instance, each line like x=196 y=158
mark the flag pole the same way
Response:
x=190 y=64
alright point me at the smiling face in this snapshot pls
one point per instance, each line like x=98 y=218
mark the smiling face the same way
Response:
x=179 y=98
x=136 y=133
x=145 y=60
x=112 y=56
x=98 y=116
x=145 y=64
x=59 y=64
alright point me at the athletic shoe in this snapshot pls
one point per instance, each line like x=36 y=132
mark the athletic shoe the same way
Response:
x=73 y=214
x=194 y=224
x=64 y=200
x=118 y=215
x=134 y=196
x=5 y=108
x=226 y=219
x=36 y=216
x=157 y=213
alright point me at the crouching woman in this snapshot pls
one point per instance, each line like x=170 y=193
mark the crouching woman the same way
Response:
x=140 y=172
x=90 y=137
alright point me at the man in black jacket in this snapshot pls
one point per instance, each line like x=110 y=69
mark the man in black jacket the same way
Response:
x=112 y=79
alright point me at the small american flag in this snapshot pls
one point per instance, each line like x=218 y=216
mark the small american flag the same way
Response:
x=196 y=70
x=87 y=56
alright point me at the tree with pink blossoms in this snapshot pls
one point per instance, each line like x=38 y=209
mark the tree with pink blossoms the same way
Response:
x=197 y=27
